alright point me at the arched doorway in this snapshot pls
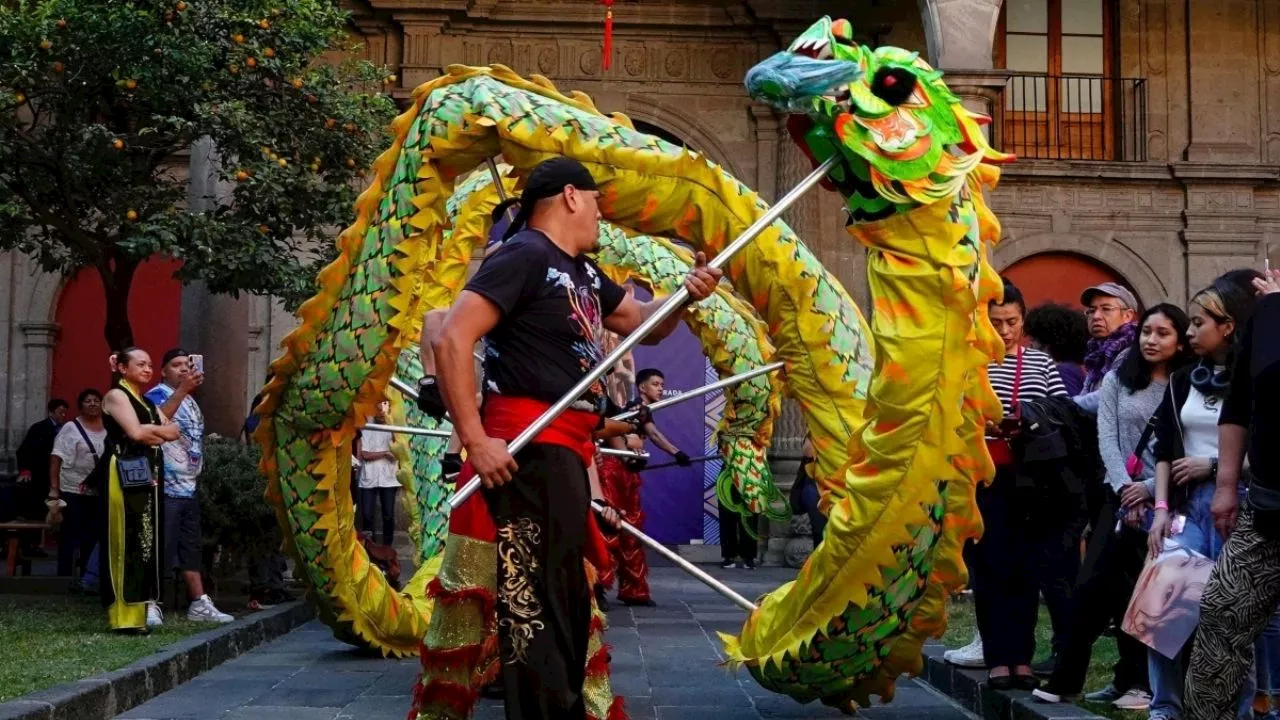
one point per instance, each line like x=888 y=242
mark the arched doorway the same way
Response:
x=1058 y=277
x=80 y=357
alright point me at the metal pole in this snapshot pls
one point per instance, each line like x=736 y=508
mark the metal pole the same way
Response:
x=683 y=564
x=497 y=179
x=699 y=459
x=407 y=430
x=671 y=305
x=700 y=391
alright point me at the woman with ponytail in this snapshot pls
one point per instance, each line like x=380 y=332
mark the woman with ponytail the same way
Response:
x=133 y=475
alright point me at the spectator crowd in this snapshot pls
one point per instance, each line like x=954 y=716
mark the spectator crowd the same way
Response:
x=1137 y=491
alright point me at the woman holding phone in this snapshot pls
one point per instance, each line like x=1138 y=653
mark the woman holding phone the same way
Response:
x=1003 y=564
x=130 y=563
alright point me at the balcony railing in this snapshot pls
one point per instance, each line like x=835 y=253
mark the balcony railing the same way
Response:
x=1075 y=117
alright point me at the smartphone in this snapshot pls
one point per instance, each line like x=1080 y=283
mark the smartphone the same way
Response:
x=197 y=364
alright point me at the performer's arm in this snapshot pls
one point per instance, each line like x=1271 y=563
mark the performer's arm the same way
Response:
x=471 y=318
x=609 y=514
x=665 y=445
x=432 y=322
x=631 y=313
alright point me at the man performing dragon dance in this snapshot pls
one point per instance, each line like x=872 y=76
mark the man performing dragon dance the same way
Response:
x=896 y=410
x=541 y=306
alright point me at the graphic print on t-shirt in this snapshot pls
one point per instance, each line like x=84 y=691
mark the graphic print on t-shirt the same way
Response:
x=551 y=332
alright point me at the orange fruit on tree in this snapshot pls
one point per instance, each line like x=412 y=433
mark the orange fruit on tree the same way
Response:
x=313 y=99
x=264 y=24
x=62 y=24
x=20 y=98
x=117 y=144
x=269 y=52
x=263 y=229
x=233 y=70
x=131 y=84
x=131 y=216
x=181 y=6
x=242 y=175
x=237 y=38
x=315 y=167
x=296 y=83
x=331 y=123
x=351 y=162
x=282 y=162
x=58 y=67
x=251 y=62
x=45 y=44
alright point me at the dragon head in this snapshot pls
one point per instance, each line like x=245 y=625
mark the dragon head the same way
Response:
x=905 y=139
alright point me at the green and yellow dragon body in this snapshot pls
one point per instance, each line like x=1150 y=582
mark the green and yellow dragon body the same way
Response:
x=896 y=409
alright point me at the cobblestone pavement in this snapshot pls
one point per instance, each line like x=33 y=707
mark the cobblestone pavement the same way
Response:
x=665 y=662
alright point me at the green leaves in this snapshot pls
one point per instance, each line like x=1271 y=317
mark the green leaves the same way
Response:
x=101 y=101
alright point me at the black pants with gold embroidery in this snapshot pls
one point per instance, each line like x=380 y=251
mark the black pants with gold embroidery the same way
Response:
x=544 y=611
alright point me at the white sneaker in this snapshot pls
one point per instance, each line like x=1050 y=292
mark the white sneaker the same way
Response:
x=155 y=618
x=202 y=610
x=969 y=656
x=1133 y=700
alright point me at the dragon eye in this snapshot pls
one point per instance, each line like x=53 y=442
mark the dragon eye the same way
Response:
x=893 y=85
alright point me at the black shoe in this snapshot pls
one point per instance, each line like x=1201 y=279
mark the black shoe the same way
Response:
x=751 y=564
x=1026 y=682
x=1045 y=667
x=602 y=602
x=638 y=603
x=1002 y=683
x=727 y=564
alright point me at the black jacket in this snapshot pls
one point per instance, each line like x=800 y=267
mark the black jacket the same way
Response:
x=1058 y=447
x=33 y=454
x=1168 y=445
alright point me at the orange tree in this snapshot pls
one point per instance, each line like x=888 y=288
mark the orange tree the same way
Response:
x=102 y=100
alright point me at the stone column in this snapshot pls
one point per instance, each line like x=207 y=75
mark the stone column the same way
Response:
x=960 y=33
x=38 y=340
x=216 y=326
x=1223 y=65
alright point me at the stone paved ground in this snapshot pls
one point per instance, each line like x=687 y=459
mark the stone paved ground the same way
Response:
x=664 y=663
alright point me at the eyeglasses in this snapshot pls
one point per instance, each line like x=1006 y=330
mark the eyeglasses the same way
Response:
x=1103 y=309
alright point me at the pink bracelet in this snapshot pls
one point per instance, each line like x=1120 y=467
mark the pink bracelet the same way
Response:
x=1162 y=505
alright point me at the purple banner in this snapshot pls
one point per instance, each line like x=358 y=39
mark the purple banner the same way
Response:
x=672 y=497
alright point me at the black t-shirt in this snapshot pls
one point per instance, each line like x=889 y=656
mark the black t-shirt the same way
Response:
x=1255 y=387
x=553 y=307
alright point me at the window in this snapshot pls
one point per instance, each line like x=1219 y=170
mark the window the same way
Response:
x=1059 y=97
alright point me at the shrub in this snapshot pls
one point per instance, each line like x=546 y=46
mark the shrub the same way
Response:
x=235 y=513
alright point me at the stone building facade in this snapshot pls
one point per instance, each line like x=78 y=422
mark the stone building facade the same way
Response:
x=1188 y=101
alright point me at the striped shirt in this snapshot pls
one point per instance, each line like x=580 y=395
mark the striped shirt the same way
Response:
x=1039 y=378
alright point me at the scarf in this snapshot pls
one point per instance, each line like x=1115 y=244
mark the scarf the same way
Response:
x=1102 y=353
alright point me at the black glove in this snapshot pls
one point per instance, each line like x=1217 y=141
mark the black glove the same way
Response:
x=683 y=459
x=451 y=464
x=641 y=419
x=429 y=399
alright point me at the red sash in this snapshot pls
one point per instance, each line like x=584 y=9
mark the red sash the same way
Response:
x=505 y=418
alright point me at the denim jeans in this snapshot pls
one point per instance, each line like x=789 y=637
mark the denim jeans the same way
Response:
x=1168 y=677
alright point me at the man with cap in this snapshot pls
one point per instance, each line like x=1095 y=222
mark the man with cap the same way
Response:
x=183 y=461
x=1112 y=311
x=542 y=307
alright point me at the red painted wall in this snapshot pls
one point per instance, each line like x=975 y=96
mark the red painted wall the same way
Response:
x=1058 y=277
x=80 y=357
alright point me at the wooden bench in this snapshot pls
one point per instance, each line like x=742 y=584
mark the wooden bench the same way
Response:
x=13 y=531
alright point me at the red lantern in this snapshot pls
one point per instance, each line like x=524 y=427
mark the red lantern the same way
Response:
x=608 y=34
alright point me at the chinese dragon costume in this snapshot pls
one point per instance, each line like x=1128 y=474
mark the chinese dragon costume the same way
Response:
x=896 y=408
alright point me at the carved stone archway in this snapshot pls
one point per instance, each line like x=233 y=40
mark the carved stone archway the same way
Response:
x=666 y=114
x=1114 y=254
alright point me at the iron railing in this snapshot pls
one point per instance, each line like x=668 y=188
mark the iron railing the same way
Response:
x=1074 y=117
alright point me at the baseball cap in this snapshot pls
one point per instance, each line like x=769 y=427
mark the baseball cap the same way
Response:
x=1111 y=289
x=172 y=355
x=548 y=179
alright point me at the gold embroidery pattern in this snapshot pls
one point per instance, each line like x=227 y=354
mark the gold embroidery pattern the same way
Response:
x=515 y=553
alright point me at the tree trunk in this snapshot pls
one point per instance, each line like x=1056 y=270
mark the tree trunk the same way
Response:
x=117 y=280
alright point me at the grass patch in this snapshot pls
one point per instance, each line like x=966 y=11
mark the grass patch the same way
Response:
x=49 y=640
x=962 y=625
